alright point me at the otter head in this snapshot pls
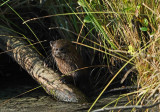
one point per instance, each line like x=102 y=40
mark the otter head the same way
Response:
x=61 y=48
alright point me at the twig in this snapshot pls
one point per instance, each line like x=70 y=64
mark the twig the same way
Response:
x=125 y=76
x=127 y=107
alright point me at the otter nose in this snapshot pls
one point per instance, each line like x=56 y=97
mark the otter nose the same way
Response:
x=56 y=51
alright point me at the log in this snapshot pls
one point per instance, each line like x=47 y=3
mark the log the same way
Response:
x=27 y=57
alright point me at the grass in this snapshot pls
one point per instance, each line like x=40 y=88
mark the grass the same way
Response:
x=132 y=27
x=117 y=30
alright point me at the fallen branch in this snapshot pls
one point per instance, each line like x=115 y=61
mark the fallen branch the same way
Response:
x=31 y=61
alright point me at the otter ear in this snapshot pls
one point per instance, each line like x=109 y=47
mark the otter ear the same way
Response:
x=51 y=43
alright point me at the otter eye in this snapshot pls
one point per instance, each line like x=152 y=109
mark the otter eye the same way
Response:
x=61 y=49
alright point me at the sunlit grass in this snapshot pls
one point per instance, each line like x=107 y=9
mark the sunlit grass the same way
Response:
x=136 y=31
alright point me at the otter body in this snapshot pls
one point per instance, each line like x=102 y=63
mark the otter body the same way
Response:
x=68 y=61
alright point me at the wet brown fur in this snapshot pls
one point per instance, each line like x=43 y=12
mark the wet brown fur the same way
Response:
x=68 y=60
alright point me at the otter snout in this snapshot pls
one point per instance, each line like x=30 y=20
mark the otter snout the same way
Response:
x=58 y=52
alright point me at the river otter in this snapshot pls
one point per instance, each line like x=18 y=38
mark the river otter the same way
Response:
x=68 y=60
